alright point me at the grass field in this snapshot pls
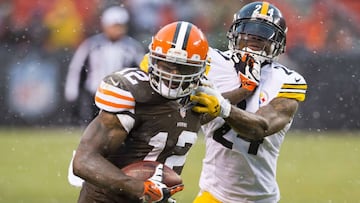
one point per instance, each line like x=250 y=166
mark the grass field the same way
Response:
x=313 y=167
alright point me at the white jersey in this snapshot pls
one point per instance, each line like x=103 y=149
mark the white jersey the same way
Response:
x=235 y=170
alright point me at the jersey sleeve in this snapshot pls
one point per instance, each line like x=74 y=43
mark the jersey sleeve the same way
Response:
x=112 y=97
x=294 y=87
x=221 y=71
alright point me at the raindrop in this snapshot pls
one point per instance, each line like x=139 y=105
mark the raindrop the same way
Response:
x=316 y=115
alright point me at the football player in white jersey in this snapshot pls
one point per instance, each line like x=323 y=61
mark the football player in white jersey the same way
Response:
x=144 y=116
x=243 y=142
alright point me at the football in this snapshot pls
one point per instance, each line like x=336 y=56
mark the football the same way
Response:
x=143 y=170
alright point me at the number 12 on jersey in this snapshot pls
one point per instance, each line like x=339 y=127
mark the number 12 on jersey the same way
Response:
x=185 y=141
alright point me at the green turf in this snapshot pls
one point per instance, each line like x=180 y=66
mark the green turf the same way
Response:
x=321 y=168
x=34 y=166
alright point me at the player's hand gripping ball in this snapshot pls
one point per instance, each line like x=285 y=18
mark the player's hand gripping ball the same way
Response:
x=143 y=170
x=160 y=182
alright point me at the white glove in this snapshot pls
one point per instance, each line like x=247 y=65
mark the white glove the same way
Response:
x=171 y=200
x=204 y=81
x=209 y=100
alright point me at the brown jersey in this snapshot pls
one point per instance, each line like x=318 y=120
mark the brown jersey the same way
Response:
x=159 y=129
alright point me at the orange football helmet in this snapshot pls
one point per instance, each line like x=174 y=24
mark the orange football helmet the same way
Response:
x=177 y=59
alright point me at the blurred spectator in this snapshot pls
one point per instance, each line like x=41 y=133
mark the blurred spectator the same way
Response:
x=321 y=26
x=98 y=56
x=64 y=23
x=148 y=16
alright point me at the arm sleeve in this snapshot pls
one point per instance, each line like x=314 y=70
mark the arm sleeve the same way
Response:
x=113 y=99
x=295 y=87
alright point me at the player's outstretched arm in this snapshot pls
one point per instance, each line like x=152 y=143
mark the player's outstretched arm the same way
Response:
x=266 y=121
x=104 y=135
x=234 y=97
x=237 y=95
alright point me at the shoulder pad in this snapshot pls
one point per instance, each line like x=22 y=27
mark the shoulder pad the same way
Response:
x=294 y=86
x=113 y=95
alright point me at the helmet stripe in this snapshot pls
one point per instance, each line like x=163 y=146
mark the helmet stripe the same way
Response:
x=187 y=34
x=176 y=35
x=264 y=8
x=181 y=35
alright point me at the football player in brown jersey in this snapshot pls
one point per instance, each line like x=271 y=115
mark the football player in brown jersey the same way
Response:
x=144 y=116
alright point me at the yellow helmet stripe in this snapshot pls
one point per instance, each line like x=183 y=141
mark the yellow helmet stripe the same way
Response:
x=264 y=8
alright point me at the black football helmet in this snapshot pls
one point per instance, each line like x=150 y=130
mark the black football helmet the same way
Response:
x=258 y=28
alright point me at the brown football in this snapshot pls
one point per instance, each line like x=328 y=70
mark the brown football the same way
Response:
x=143 y=170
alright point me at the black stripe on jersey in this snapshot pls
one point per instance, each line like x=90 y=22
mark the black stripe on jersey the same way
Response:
x=176 y=35
x=186 y=39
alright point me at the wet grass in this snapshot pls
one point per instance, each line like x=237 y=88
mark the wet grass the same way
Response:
x=34 y=166
x=313 y=167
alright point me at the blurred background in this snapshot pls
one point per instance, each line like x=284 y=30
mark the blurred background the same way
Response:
x=38 y=130
x=38 y=39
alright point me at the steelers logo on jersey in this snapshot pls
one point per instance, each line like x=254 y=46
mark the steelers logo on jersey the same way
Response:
x=263 y=98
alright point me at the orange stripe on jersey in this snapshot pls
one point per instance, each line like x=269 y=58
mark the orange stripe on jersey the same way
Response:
x=264 y=8
x=111 y=104
x=114 y=94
